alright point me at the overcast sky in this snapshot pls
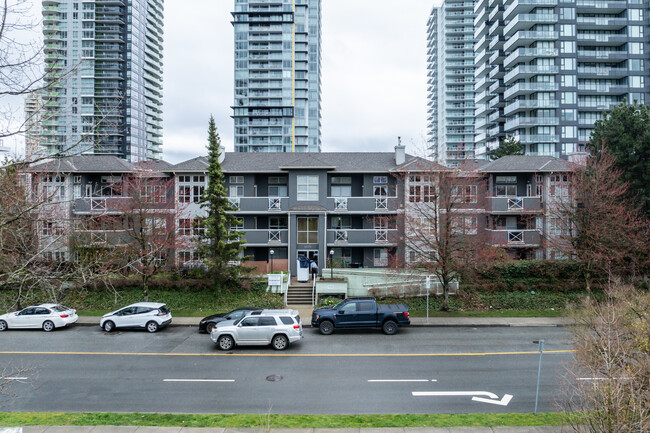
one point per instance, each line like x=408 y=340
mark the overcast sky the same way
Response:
x=374 y=80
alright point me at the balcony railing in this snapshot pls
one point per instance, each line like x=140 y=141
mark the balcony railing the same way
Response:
x=340 y=203
x=234 y=202
x=275 y=203
x=515 y=238
x=341 y=236
x=381 y=235
x=516 y=204
x=381 y=203
x=275 y=236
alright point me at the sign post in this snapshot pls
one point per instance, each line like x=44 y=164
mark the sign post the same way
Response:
x=427 y=284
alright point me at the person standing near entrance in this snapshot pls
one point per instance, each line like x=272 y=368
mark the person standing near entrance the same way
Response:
x=314 y=269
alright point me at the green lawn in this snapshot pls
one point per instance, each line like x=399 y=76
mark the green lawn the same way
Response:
x=279 y=421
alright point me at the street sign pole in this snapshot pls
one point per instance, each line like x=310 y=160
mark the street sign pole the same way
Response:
x=539 y=371
x=428 y=286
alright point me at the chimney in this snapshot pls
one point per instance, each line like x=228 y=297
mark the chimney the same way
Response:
x=400 y=154
x=222 y=154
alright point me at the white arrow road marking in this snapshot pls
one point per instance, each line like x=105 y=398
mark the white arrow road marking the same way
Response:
x=495 y=398
x=14 y=378
x=503 y=402
x=198 y=380
x=400 y=380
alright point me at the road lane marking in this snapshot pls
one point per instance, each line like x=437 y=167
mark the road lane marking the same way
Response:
x=401 y=380
x=492 y=398
x=14 y=378
x=298 y=355
x=198 y=380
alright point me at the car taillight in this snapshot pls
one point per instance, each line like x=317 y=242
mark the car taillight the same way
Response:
x=406 y=314
x=63 y=316
x=296 y=326
x=161 y=313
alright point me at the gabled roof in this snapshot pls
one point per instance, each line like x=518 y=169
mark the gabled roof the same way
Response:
x=274 y=162
x=526 y=163
x=85 y=164
x=417 y=163
x=195 y=164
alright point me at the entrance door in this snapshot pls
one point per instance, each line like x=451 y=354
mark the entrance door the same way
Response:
x=312 y=255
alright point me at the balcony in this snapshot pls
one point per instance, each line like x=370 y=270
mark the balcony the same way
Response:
x=528 y=37
x=260 y=204
x=525 y=88
x=601 y=23
x=528 y=122
x=525 y=6
x=526 y=21
x=602 y=72
x=514 y=238
x=508 y=205
x=527 y=54
x=101 y=205
x=521 y=105
x=362 y=204
x=537 y=138
x=263 y=237
x=590 y=39
x=361 y=237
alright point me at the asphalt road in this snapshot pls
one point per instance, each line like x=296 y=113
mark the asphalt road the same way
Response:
x=350 y=372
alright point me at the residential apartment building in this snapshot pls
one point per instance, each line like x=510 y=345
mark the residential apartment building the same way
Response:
x=450 y=58
x=546 y=70
x=343 y=206
x=277 y=105
x=103 y=64
x=33 y=111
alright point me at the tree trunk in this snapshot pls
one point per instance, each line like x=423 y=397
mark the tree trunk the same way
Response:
x=145 y=288
x=445 y=291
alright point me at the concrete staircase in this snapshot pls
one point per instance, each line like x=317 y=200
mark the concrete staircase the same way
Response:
x=299 y=293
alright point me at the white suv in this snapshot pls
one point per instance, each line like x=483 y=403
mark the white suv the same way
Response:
x=276 y=327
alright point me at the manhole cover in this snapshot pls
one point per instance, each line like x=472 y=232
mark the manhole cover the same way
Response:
x=274 y=378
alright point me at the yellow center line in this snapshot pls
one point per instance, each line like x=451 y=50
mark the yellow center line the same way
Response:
x=298 y=355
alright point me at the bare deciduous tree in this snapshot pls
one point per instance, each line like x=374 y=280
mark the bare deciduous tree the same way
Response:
x=608 y=385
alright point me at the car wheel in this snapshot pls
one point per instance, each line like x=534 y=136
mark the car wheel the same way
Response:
x=48 y=326
x=225 y=342
x=109 y=326
x=280 y=342
x=326 y=327
x=389 y=327
x=209 y=327
x=3 y=325
x=152 y=326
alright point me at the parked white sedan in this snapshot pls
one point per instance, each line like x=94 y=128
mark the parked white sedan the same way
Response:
x=148 y=315
x=45 y=316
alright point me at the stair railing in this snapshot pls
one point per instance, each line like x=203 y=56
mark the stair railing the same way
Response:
x=286 y=291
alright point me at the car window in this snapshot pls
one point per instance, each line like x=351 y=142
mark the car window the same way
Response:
x=41 y=310
x=364 y=306
x=27 y=311
x=250 y=321
x=60 y=308
x=126 y=311
x=164 y=309
x=267 y=321
x=142 y=310
x=234 y=315
x=286 y=320
x=350 y=307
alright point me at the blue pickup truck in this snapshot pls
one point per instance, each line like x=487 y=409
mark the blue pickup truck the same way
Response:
x=361 y=312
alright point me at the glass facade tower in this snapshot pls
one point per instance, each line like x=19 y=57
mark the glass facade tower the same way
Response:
x=277 y=104
x=547 y=69
x=103 y=64
x=451 y=81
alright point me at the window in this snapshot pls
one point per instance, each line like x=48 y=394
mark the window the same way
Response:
x=307 y=188
x=51 y=228
x=307 y=230
x=342 y=186
x=465 y=193
x=421 y=188
x=236 y=191
x=277 y=186
x=190 y=188
x=185 y=227
x=277 y=223
x=568 y=64
x=341 y=222
x=506 y=186
x=559 y=185
x=184 y=194
x=236 y=179
x=567 y=30
x=380 y=257
x=197 y=192
x=154 y=194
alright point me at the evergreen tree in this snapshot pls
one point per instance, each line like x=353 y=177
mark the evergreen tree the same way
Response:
x=508 y=146
x=625 y=133
x=221 y=244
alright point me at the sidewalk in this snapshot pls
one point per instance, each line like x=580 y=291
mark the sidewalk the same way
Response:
x=473 y=322
x=124 y=429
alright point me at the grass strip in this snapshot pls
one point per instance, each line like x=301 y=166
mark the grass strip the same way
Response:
x=280 y=421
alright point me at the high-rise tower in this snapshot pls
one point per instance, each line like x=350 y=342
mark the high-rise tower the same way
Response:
x=103 y=61
x=451 y=81
x=277 y=75
x=547 y=69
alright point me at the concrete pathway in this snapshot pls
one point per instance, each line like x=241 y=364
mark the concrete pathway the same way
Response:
x=126 y=429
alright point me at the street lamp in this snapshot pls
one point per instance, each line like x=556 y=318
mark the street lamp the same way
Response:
x=271 y=252
x=540 y=343
x=331 y=264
